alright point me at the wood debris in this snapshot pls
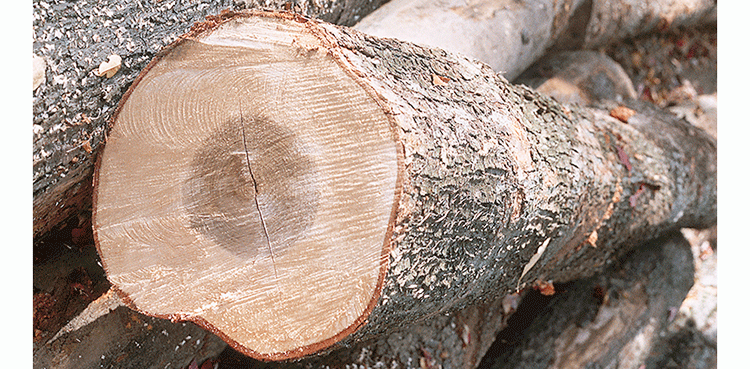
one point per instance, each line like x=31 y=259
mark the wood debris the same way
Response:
x=39 y=68
x=110 y=67
x=546 y=288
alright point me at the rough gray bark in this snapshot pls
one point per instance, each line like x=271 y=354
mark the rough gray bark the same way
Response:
x=342 y=12
x=73 y=105
x=623 y=318
x=503 y=187
x=575 y=77
x=510 y=35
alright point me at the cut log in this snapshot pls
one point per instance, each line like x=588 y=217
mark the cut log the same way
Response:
x=620 y=319
x=510 y=35
x=72 y=104
x=292 y=185
x=578 y=77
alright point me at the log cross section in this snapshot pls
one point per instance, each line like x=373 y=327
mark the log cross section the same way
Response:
x=248 y=184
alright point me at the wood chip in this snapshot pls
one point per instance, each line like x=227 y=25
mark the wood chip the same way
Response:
x=97 y=308
x=591 y=240
x=466 y=335
x=110 y=67
x=39 y=68
x=440 y=80
x=533 y=260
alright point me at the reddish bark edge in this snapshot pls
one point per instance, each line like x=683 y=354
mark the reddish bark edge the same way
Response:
x=312 y=25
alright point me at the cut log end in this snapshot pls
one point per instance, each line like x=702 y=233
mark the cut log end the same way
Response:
x=249 y=184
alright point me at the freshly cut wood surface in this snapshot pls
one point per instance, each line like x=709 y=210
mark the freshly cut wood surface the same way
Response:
x=248 y=183
x=296 y=186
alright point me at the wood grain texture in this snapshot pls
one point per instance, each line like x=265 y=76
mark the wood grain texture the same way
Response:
x=73 y=106
x=498 y=186
x=253 y=199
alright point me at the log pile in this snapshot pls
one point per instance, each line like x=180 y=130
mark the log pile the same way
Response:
x=436 y=213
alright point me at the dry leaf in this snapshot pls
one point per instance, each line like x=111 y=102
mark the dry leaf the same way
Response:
x=110 y=67
x=546 y=288
x=622 y=113
x=87 y=146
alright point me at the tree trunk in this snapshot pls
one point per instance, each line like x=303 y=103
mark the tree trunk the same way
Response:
x=72 y=108
x=300 y=186
x=510 y=35
x=72 y=105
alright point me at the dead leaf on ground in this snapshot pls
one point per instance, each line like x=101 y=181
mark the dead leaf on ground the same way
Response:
x=622 y=113
x=546 y=288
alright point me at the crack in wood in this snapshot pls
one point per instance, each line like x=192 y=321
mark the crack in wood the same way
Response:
x=255 y=195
